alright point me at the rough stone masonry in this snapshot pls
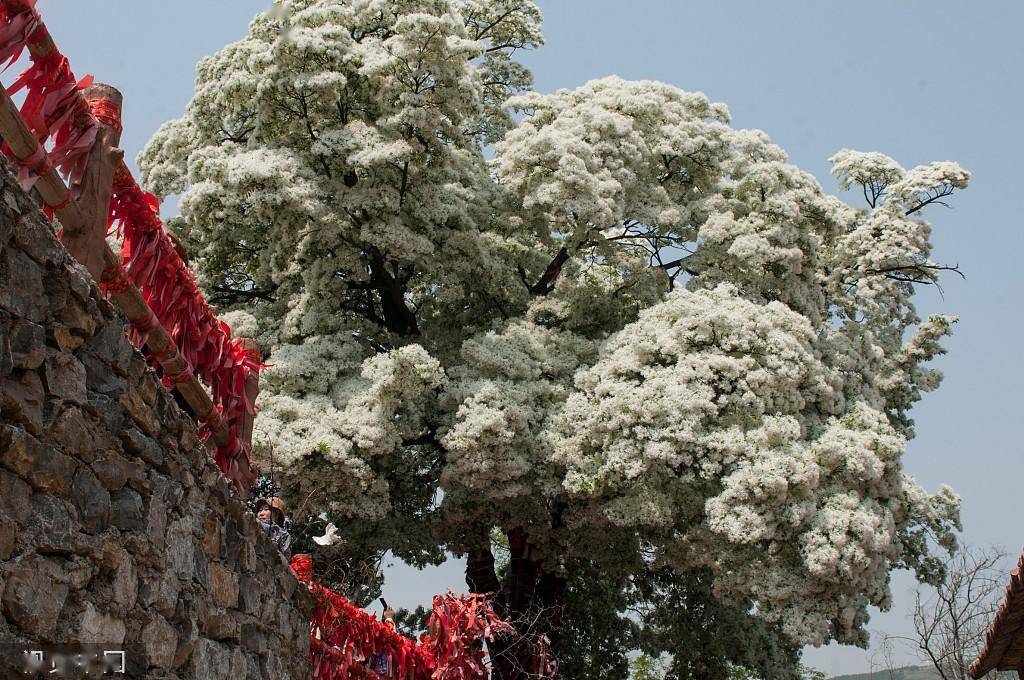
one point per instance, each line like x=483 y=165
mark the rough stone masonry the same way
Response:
x=116 y=527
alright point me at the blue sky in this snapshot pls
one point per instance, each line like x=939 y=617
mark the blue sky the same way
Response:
x=917 y=80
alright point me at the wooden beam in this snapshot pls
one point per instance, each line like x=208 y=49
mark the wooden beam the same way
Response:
x=24 y=146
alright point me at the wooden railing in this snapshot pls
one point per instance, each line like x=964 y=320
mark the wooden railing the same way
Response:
x=102 y=186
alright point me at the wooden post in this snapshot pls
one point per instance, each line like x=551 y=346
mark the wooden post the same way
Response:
x=92 y=193
x=252 y=391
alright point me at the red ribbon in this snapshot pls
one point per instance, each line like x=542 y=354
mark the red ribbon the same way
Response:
x=17 y=30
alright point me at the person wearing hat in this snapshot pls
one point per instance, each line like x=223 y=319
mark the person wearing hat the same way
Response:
x=271 y=513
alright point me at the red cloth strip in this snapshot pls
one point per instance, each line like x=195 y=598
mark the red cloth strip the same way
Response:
x=30 y=169
x=139 y=329
x=106 y=113
x=113 y=281
x=17 y=30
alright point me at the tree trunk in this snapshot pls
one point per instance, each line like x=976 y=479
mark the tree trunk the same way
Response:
x=531 y=599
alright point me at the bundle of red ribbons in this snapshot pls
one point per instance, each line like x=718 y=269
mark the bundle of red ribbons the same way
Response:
x=58 y=114
x=344 y=637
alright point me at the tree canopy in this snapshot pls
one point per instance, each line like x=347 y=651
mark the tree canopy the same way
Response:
x=603 y=318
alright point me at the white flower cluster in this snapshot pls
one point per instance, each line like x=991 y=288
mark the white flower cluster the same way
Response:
x=323 y=401
x=717 y=421
x=501 y=399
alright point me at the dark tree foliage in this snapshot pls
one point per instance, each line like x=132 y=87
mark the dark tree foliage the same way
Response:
x=412 y=623
x=598 y=632
x=607 y=622
x=708 y=639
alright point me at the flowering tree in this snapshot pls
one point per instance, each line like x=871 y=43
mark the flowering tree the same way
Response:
x=635 y=338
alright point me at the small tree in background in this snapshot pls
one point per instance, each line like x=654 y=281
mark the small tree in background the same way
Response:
x=952 y=617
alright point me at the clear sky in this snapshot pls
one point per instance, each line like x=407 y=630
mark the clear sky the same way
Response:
x=919 y=80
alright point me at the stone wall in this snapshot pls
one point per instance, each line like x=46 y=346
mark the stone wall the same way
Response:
x=115 y=525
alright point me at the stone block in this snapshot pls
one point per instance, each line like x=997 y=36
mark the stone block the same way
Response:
x=44 y=467
x=6 y=537
x=56 y=290
x=142 y=446
x=140 y=413
x=219 y=624
x=223 y=585
x=91 y=500
x=79 y=280
x=22 y=292
x=211 y=536
x=28 y=344
x=254 y=639
x=286 y=581
x=200 y=569
x=39 y=243
x=109 y=554
x=210 y=660
x=148 y=388
x=62 y=338
x=111 y=469
x=6 y=360
x=78 y=316
x=51 y=471
x=15 y=495
x=124 y=470
x=156 y=523
x=126 y=510
x=110 y=348
x=22 y=398
x=125 y=587
x=18 y=449
x=33 y=596
x=181 y=548
x=77 y=572
x=189 y=438
x=98 y=627
x=78 y=434
x=169 y=444
x=49 y=528
x=65 y=377
x=98 y=375
x=250 y=595
x=238 y=664
x=159 y=642
x=247 y=560
x=109 y=411
x=159 y=590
